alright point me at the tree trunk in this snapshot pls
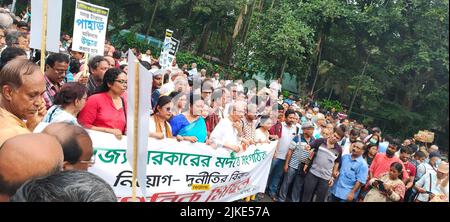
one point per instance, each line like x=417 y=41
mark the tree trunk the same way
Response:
x=331 y=93
x=191 y=7
x=359 y=85
x=237 y=27
x=271 y=6
x=319 y=54
x=260 y=5
x=283 y=67
x=204 y=39
x=152 y=18
x=249 y=21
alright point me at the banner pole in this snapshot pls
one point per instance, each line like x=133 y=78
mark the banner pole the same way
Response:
x=135 y=130
x=44 y=34
x=86 y=61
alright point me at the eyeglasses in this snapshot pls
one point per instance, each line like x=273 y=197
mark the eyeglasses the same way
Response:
x=90 y=162
x=121 y=81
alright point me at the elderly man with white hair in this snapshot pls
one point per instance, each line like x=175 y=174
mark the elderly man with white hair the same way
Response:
x=228 y=132
x=433 y=148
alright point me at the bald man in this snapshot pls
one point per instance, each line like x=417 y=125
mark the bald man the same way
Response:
x=76 y=144
x=27 y=157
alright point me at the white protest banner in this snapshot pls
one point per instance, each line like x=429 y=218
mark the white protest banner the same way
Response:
x=164 y=57
x=174 y=46
x=144 y=91
x=89 y=30
x=183 y=171
x=173 y=49
x=53 y=24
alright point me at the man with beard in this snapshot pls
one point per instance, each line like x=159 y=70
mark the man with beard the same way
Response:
x=405 y=157
x=323 y=167
x=353 y=136
x=382 y=162
x=288 y=132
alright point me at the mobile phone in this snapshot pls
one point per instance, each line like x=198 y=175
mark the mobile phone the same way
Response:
x=381 y=185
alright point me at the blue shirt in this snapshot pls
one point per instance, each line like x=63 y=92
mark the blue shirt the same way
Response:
x=351 y=171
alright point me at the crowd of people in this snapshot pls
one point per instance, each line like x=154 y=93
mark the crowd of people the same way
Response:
x=321 y=155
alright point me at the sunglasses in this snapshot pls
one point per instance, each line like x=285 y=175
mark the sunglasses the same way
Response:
x=121 y=81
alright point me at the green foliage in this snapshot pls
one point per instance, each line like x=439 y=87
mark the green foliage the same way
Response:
x=329 y=104
x=129 y=40
x=278 y=36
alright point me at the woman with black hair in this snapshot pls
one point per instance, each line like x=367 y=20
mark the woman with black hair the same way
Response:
x=68 y=103
x=105 y=111
x=389 y=187
x=370 y=153
x=159 y=127
x=190 y=125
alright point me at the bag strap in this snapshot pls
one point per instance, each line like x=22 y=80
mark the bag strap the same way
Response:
x=124 y=110
x=51 y=114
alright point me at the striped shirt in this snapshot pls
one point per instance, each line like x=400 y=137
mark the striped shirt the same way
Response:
x=299 y=153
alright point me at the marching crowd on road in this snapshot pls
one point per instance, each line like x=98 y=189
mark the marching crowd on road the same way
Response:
x=321 y=155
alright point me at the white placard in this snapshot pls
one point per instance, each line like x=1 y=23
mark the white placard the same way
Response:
x=145 y=91
x=54 y=9
x=89 y=30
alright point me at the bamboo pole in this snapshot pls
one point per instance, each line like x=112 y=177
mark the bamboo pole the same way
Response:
x=44 y=34
x=135 y=129
x=86 y=61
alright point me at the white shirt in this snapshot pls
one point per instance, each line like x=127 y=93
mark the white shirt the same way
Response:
x=346 y=147
x=240 y=88
x=216 y=83
x=287 y=134
x=275 y=86
x=193 y=72
x=146 y=58
x=224 y=132
x=261 y=136
x=167 y=88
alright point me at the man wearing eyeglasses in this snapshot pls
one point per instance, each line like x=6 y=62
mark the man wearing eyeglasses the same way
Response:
x=76 y=144
x=55 y=73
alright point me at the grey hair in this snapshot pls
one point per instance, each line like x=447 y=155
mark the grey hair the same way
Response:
x=66 y=186
x=13 y=36
x=5 y=19
x=235 y=105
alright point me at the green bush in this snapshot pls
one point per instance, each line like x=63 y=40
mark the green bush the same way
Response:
x=129 y=40
x=329 y=104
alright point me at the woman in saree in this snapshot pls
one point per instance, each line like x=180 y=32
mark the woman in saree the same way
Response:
x=190 y=126
x=159 y=127
x=389 y=187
